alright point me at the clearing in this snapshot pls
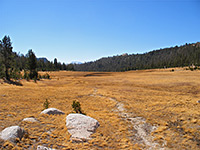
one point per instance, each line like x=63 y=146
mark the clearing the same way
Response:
x=149 y=109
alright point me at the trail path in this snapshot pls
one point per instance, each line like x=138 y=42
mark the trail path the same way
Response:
x=141 y=130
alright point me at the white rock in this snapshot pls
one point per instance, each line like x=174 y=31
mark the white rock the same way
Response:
x=80 y=126
x=52 y=111
x=11 y=133
x=39 y=147
x=31 y=119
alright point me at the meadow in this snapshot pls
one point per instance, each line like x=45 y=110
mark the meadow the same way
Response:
x=147 y=109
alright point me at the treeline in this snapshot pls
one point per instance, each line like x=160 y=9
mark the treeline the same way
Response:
x=184 y=55
x=12 y=64
x=20 y=62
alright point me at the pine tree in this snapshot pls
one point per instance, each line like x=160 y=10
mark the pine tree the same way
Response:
x=32 y=64
x=55 y=64
x=6 y=54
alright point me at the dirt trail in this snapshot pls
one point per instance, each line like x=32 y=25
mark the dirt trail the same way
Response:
x=141 y=130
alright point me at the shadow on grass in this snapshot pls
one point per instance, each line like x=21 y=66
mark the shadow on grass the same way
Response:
x=17 y=83
x=98 y=74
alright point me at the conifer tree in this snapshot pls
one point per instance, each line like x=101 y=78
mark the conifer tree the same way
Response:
x=55 y=64
x=32 y=64
x=6 y=55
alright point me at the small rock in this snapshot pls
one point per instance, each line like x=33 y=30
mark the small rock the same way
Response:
x=31 y=119
x=80 y=126
x=52 y=111
x=39 y=147
x=11 y=133
x=198 y=101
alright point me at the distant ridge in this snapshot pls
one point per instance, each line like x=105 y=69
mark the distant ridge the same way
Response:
x=43 y=59
x=76 y=62
x=177 y=56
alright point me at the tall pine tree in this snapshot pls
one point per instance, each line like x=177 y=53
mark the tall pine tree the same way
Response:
x=6 y=54
x=55 y=64
x=32 y=64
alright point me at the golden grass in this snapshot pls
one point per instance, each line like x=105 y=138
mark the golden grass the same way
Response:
x=165 y=99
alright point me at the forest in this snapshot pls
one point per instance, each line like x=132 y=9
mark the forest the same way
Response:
x=178 y=56
x=12 y=63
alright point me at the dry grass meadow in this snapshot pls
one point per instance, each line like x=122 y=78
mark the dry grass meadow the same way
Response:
x=163 y=99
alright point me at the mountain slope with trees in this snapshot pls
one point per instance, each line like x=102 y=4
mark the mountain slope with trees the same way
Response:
x=184 y=55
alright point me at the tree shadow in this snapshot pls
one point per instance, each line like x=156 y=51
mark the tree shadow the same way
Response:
x=17 y=83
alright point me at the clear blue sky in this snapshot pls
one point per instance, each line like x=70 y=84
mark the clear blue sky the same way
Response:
x=85 y=30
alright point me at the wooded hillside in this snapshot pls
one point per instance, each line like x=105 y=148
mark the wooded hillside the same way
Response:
x=185 y=55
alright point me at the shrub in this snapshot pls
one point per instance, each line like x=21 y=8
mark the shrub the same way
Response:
x=2 y=73
x=15 y=74
x=39 y=76
x=35 y=79
x=191 y=69
x=46 y=76
x=26 y=76
x=46 y=104
x=77 y=107
x=33 y=74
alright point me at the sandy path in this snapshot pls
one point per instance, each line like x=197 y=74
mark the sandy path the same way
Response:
x=141 y=132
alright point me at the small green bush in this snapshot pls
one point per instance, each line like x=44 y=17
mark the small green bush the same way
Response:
x=47 y=76
x=46 y=104
x=35 y=79
x=77 y=107
x=191 y=69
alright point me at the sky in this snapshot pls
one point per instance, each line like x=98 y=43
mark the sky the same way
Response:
x=86 y=30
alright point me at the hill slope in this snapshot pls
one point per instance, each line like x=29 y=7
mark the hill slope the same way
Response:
x=168 y=57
